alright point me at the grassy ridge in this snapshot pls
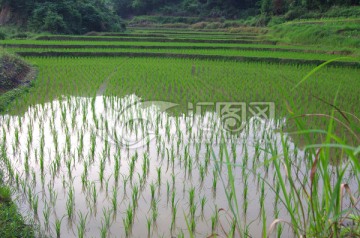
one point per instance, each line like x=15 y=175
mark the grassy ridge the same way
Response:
x=181 y=35
x=174 y=44
x=267 y=59
x=224 y=52
x=153 y=39
x=42 y=47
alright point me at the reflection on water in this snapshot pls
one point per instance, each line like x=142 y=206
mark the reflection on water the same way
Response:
x=117 y=165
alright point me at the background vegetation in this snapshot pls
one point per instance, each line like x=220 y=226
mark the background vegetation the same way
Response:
x=61 y=16
x=78 y=17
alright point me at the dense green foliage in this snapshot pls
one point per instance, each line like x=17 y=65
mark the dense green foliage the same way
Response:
x=81 y=16
x=64 y=16
x=225 y=8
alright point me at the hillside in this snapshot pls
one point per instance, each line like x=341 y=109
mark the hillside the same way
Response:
x=79 y=17
x=63 y=16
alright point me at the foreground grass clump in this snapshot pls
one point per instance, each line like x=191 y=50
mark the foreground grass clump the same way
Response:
x=318 y=200
x=11 y=223
x=320 y=193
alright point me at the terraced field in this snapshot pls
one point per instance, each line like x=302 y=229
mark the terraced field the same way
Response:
x=163 y=133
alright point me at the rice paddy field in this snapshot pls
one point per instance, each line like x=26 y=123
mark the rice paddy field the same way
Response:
x=169 y=133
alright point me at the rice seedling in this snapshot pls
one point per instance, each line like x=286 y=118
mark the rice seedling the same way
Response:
x=103 y=231
x=173 y=217
x=107 y=218
x=203 y=202
x=70 y=204
x=214 y=183
x=58 y=227
x=101 y=171
x=35 y=204
x=149 y=223
x=94 y=193
x=214 y=221
x=152 y=190
x=114 y=201
x=154 y=211
x=158 y=170
x=191 y=196
x=135 y=196
x=82 y=225
x=46 y=215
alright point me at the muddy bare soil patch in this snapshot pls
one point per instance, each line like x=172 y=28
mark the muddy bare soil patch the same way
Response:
x=14 y=72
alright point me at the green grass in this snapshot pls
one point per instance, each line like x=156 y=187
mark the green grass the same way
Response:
x=313 y=201
x=12 y=224
x=323 y=32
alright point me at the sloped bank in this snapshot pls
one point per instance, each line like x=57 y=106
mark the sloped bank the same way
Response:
x=15 y=78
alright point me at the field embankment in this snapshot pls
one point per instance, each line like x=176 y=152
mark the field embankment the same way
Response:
x=15 y=76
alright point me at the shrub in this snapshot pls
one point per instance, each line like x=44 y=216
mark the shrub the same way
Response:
x=199 y=25
x=176 y=25
x=5 y=194
x=262 y=20
x=3 y=35
x=54 y=23
x=337 y=11
x=20 y=36
x=215 y=25
x=295 y=13
x=276 y=21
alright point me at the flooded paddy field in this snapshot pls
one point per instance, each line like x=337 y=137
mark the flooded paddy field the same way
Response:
x=169 y=147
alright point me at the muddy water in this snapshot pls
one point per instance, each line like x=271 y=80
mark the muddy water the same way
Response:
x=74 y=135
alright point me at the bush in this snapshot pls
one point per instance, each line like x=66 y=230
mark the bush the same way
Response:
x=295 y=13
x=311 y=14
x=262 y=20
x=276 y=21
x=20 y=36
x=175 y=25
x=215 y=25
x=3 y=35
x=337 y=11
x=71 y=17
x=54 y=23
x=5 y=194
x=199 y=25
